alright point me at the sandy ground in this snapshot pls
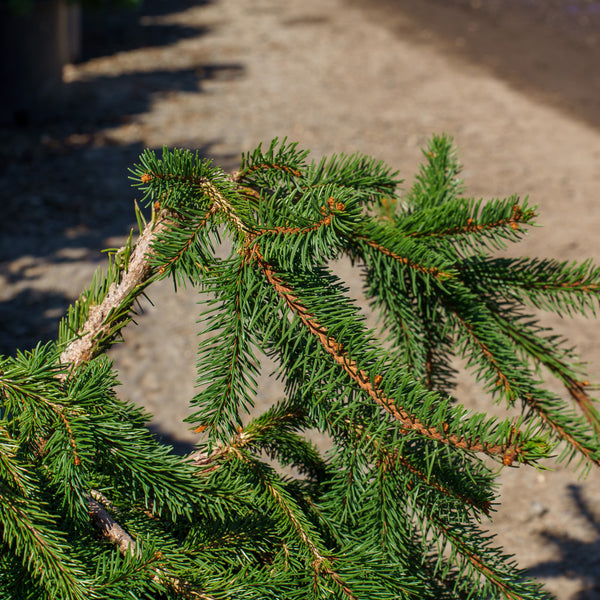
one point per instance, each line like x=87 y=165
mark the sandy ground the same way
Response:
x=516 y=83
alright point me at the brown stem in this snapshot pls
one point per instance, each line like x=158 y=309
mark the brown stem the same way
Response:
x=112 y=531
x=333 y=206
x=320 y=562
x=82 y=348
x=212 y=210
x=502 y=380
x=517 y=217
x=363 y=379
x=562 y=434
x=433 y=271
x=574 y=387
x=388 y=460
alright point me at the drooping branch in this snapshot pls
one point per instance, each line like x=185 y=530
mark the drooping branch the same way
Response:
x=210 y=213
x=321 y=563
x=239 y=175
x=514 y=221
x=112 y=531
x=509 y=452
x=388 y=459
x=477 y=561
x=557 y=367
x=560 y=369
x=562 y=433
x=332 y=207
x=502 y=380
x=137 y=273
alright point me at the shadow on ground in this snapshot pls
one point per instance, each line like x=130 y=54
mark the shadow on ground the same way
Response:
x=113 y=30
x=548 y=49
x=180 y=447
x=577 y=560
x=65 y=190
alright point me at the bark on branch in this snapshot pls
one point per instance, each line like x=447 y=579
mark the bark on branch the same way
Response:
x=81 y=349
x=109 y=528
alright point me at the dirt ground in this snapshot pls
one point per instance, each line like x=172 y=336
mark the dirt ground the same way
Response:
x=515 y=82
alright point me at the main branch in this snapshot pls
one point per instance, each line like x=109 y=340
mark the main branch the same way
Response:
x=137 y=272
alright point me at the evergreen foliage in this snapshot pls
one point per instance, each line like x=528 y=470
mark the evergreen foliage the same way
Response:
x=92 y=506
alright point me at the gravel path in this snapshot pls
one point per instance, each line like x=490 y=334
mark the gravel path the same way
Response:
x=516 y=83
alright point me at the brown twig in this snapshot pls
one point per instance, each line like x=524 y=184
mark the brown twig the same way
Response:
x=433 y=271
x=502 y=379
x=509 y=452
x=211 y=211
x=320 y=563
x=388 y=460
x=585 y=403
x=575 y=388
x=332 y=207
x=560 y=431
x=471 y=226
x=477 y=561
x=112 y=531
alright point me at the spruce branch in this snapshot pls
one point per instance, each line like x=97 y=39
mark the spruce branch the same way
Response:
x=567 y=426
x=557 y=286
x=541 y=351
x=301 y=528
x=506 y=579
x=392 y=509
x=516 y=450
x=403 y=260
x=470 y=548
x=29 y=531
x=391 y=459
x=469 y=224
x=577 y=391
x=114 y=533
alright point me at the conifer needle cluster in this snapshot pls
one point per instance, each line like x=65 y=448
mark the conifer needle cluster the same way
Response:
x=92 y=506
